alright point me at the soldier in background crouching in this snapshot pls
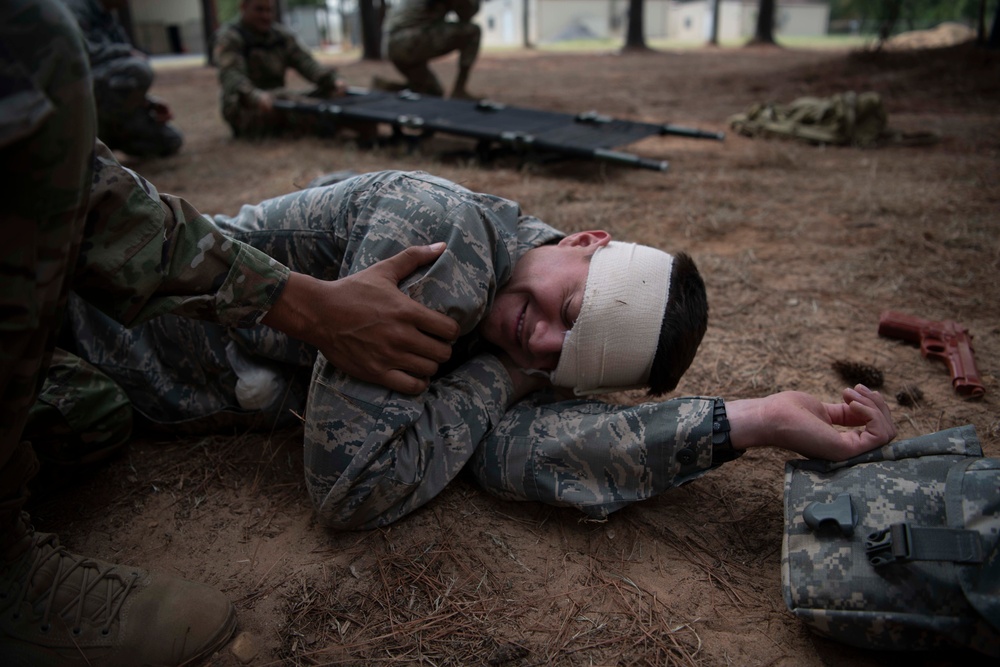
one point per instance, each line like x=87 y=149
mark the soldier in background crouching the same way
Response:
x=253 y=53
x=128 y=118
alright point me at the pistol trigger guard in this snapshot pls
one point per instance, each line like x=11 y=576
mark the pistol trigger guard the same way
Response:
x=837 y=515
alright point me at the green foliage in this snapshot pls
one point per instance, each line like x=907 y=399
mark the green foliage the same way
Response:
x=227 y=9
x=910 y=14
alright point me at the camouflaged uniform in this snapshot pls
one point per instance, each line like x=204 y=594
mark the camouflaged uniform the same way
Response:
x=417 y=32
x=251 y=63
x=122 y=79
x=76 y=218
x=81 y=415
x=373 y=455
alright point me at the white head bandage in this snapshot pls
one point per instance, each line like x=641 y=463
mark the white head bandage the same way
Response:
x=612 y=344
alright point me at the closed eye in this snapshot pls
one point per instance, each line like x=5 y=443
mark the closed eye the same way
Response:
x=570 y=310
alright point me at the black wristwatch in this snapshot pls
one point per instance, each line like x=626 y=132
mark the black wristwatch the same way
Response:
x=722 y=444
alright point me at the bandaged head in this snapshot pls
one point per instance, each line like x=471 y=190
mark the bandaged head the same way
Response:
x=614 y=340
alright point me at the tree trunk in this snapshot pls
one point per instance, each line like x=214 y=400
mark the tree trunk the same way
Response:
x=371 y=31
x=209 y=24
x=764 y=32
x=891 y=9
x=635 y=38
x=525 y=23
x=994 y=41
x=714 y=37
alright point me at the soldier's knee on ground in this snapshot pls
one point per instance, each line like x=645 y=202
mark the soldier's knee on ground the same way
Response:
x=81 y=415
x=141 y=135
x=124 y=74
x=421 y=79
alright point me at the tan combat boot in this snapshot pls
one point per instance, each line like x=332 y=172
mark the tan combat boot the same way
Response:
x=57 y=608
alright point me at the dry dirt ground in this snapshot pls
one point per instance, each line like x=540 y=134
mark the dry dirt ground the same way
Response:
x=802 y=247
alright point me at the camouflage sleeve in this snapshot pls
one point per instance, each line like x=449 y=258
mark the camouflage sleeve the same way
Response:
x=104 y=40
x=302 y=61
x=233 y=76
x=595 y=456
x=372 y=455
x=146 y=254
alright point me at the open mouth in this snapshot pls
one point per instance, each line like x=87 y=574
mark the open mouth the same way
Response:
x=519 y=329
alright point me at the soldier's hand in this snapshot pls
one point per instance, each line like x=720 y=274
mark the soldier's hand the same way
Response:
x=265 y=102
x=160 y=111
x=365 y=326
x=801 y=423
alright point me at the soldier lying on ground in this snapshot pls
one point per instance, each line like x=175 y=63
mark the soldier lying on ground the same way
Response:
x=253 y=53
x=418 y=31
x=537 y=309
x=75 y=220
x=128 y=118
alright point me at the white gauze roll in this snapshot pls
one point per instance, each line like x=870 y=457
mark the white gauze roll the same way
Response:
x=612 y=344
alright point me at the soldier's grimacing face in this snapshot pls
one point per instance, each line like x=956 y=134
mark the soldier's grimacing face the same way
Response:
x=258 y=14
x=533 y=311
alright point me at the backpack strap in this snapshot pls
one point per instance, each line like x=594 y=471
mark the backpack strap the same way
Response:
x=902 y=542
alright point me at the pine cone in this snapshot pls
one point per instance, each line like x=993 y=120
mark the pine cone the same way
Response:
x=855 y=372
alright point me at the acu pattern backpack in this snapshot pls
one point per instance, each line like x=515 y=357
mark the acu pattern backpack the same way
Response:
x=898 y=548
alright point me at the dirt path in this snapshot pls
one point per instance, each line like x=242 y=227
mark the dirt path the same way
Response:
x=802 y=247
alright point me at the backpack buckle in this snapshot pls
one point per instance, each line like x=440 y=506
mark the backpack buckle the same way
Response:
x=903 y=542
x=837 y=515
x=889 y=545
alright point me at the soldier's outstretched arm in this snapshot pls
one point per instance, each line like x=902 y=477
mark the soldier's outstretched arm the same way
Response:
x=801 y=423
x=594 y=456
x=599 y=457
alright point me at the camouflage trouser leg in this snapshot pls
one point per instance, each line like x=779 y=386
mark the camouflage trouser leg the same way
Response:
x=120 y=88
x=411 y=50
x=45 y=166
x=252 y=123
x=81 y=416
x=124 y=119
x=594 y=456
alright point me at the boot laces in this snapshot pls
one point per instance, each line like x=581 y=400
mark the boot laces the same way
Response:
x=77 y=588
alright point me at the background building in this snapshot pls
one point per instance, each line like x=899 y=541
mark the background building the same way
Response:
x=185 y=26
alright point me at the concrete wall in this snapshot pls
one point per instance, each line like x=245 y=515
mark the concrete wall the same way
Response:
x=162 y=27
x=692 y=21
x=792 y=18
x=604 y=19
x=502 y=22
x=168 y=27
x=672 y=19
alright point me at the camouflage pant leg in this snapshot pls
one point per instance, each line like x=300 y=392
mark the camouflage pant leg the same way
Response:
x=595 y=456
x=125 y=121
x=300 y=229
x=411 y=50
x=46 y=152
x=142 y=135
x=249 y=122
x=81 y=416
x=121 y=86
